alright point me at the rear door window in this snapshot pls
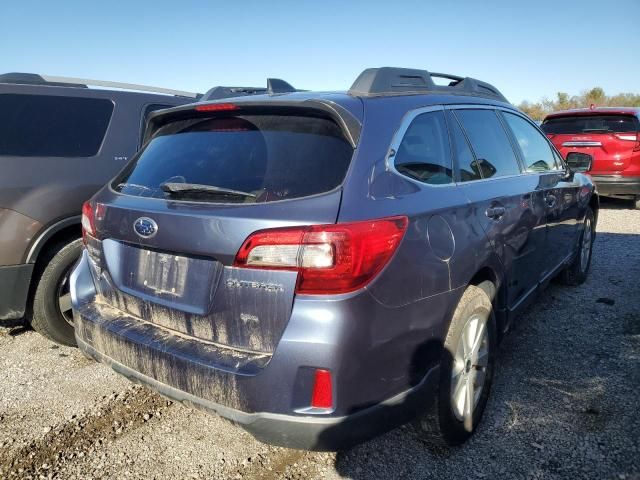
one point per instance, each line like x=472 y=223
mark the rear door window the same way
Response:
x=535 y=148
x=424 y=153
x=52 y=126
x=248 y=158
x=467 y=166
x=578 y=124
x=493 y=151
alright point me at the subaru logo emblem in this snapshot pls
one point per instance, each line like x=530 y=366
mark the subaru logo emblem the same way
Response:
x=145 y=227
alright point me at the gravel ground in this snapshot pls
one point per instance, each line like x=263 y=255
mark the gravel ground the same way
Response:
x=564 y=403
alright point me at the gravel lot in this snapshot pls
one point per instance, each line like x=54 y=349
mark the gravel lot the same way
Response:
x=565 y=402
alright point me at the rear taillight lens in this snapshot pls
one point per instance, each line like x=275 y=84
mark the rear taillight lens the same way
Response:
x=88 y=221
x=329 y=259
x=630 y=137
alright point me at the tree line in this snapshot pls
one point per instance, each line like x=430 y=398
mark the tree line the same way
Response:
x=563 y=101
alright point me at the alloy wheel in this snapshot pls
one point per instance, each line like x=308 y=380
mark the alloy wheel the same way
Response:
x=469 y=370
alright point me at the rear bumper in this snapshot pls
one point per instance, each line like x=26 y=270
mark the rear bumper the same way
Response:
x=14 y=290
x=269 y=394
x=308 y=433
x=617 y=185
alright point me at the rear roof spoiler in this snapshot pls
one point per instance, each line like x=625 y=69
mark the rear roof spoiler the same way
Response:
x=350 y=125
x=387 y=81
x=54 y=81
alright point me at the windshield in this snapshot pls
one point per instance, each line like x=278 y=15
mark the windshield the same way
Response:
x=591 y=124
x=267 y=157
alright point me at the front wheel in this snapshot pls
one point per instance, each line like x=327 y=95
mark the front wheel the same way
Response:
x=576 y=273
x=466 y=371
x=51 y=314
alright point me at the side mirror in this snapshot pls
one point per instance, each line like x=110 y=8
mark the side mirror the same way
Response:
x=579 y=162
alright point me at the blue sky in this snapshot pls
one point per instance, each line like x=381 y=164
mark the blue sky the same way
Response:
x=527 y=49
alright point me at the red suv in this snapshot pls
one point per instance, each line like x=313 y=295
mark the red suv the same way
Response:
x=611 y=136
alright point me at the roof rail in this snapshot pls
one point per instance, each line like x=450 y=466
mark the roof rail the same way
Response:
x=54 y=81
x=274 y=86
x=397 y=81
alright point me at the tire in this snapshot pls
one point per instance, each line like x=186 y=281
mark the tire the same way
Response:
x=576 y=273
x=636 y=202
x=445 y=423
x=47 y=317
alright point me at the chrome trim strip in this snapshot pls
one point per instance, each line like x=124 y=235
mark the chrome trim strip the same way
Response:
x=582 y=144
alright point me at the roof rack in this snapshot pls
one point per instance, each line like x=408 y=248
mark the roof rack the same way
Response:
x=398 y=81
x=53 y=81
x=274 y=86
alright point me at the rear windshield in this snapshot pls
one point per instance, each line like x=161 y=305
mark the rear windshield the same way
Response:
x=591 y=124
x=266 y=157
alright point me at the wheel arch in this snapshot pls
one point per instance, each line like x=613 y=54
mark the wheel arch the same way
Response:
x=65 y=230
x=489 y=278
x=69 y=227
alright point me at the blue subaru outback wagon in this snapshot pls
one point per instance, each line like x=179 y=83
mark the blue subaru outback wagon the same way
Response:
x=322 y=267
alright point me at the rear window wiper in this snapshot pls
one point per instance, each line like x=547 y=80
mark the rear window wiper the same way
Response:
x=184 y=189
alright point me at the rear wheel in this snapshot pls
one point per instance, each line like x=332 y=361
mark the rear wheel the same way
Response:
x=51 y=311
x=576 y=272
x=466 y=371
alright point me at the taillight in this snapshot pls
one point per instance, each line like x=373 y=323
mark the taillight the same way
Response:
x=630 y=137
x=329 y=259
x=88 y=221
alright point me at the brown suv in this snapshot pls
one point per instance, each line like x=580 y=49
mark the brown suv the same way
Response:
x=60 y=141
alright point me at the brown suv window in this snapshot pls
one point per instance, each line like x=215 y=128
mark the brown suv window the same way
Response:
x=493 y=152
x=52 y=126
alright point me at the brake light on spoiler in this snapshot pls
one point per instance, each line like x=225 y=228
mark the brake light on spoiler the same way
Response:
x=216 y=107
x=329 y=259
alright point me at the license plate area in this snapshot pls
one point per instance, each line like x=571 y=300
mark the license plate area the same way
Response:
x=175 y=281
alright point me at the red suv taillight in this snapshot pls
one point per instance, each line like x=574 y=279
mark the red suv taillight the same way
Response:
x=630 y=137
x=88 y=221
x=329 y=259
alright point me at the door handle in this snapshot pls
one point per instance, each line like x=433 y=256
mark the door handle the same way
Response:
x=495 y=212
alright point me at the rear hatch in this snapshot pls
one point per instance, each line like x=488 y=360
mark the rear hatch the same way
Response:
x=610 y=138
x=169 y=228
